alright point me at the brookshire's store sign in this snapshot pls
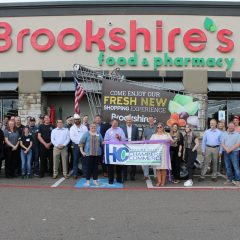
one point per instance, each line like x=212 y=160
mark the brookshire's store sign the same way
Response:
x=145 y=42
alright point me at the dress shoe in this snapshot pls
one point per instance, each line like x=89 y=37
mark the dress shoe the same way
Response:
x=105 y=174
x=146 y=178
x=214 y=179
x=110 y=182
x=75 y=177
x=119 y=181
x=66 y=176
x=54 y=176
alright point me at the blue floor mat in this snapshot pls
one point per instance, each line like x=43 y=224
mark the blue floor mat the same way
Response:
x=103 y=183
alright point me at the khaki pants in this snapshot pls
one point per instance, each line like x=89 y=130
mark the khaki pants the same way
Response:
x=211 y=155
x=56 y=159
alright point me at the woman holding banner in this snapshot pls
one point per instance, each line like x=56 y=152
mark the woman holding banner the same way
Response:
x=166 y=163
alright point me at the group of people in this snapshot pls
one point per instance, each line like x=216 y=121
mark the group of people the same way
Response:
x=39 y=148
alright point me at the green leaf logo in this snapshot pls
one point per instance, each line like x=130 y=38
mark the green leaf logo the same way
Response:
x=123 y=154
x=209 y=25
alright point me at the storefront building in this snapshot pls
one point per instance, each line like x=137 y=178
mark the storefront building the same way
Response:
x=178 y=45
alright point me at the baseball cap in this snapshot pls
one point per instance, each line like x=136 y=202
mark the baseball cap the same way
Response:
x=236 y=117
x=32 y=119
x=68 y=117
x=76 y=116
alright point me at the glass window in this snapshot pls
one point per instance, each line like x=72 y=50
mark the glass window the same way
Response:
x=9 y=107
x=214 y=106
x=231 y=108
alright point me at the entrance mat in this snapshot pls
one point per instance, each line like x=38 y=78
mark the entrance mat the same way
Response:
x=103 y=183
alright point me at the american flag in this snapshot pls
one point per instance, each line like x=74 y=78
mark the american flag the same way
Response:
x=79 y=93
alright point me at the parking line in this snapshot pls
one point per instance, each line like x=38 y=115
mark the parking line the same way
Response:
x=57 y=183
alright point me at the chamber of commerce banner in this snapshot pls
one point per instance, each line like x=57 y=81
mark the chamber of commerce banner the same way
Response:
x=149 y=152
x=120 y=99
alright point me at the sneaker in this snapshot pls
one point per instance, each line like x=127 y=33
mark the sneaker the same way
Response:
x=188 y=183
x=228 y=182
x=236 y=183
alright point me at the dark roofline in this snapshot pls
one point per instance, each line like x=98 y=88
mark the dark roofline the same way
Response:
x=120 y=8
x=121 y=3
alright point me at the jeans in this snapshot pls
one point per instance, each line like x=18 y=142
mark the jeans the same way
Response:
x=76 y=157
x=232 y=159
x=26 y=160
x=35 y=159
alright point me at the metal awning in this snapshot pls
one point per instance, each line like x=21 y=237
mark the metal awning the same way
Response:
x=177 y=86
x=67 y=87
x=8 y=86
x=223 y=87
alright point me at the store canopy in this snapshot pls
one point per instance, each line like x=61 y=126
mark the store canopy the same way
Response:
x=223 y=87
x=65 y=87
x=177 y=86
x=8 y=86
x=69 y=86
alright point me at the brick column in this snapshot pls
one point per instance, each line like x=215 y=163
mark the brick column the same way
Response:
x=29 y=105
x=30 y=96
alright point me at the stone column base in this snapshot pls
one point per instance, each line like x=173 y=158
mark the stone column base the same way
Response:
x=30 y=104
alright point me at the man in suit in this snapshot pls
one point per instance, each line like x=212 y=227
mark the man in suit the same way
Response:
x=131 y=132
x=102 y=128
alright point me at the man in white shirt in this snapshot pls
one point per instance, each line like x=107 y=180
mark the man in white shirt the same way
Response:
x=76 y=133
x=60 y=139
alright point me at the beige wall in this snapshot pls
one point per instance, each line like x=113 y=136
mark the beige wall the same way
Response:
x=56 y=59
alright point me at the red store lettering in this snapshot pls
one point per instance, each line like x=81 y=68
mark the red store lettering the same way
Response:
x=194 y=40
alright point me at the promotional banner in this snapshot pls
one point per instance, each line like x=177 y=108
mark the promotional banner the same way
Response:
x=137 y=152
x=120 y=99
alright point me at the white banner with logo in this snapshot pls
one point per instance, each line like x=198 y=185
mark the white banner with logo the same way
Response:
x=136 y=152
